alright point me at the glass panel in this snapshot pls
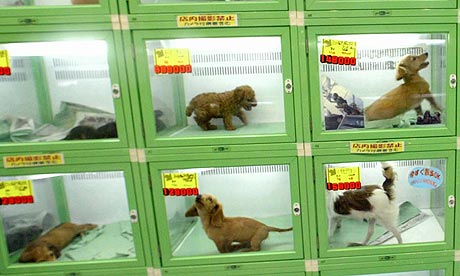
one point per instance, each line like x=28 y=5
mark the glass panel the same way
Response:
x=251 y=77
x=405 y=199
x=359 y=87
x=46 y=2
x=57 y=208
x=265 y=189
x=411 y=273
x=56 y=90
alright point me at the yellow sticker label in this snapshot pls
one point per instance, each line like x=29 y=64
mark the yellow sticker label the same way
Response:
x=180 y=184
x=33 y=160
x=172 y=57
x=13 y=188
x=343 y=178
x=207 y=20
x=376 y=148
x=338 y=48
x=4 y=59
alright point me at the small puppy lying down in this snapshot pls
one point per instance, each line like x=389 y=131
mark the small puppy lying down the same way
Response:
x=48 y=247
x=408 y=95
x=222 y=105
x=229 y=233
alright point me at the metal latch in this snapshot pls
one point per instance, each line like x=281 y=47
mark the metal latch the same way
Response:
x=133 y=216
x=451 y=201
x=453 y=81
x=296 y=209
x=115 y=91
x=288 y=86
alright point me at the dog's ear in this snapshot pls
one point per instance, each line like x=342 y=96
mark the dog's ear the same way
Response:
x=191 y=212
x=217 y=217
x=401 y=71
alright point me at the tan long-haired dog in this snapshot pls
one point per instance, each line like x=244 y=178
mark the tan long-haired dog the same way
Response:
x=48 y=247
x=408 y=95
x=222 y=105
x=224 y=231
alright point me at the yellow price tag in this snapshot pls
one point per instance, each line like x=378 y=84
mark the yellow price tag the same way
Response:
x=180 y=184
x=4 y=59
x=165 y=57
x=33 y=160
x=343 y=178
x=339 y=48
x=377 y=148
x=16 y=192
x=207 y=20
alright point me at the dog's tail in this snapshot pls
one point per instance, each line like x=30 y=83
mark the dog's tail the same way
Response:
x=275 y=229
x=389 y=182
x=189 y=110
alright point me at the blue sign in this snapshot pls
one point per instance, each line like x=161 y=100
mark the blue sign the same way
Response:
x=425 y=177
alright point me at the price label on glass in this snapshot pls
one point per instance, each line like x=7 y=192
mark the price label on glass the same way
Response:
x=338 y=52
x=180 y=184
x=343 y=178
x=16 y=192
x=172 y=61
x=5 y=67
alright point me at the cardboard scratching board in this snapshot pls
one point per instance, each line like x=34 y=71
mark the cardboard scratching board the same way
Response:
x=355 y=230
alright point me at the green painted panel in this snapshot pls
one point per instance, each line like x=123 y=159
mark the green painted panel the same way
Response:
x=362 y=4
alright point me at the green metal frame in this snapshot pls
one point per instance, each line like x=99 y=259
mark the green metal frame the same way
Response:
x=152 y=140
x=320 y=135
x=363 y=4
x=230 y=160
x=136 y=6
x=122 y=105
x=392 y=264
x=135 y=196
x=449 y=180
x=104 y=8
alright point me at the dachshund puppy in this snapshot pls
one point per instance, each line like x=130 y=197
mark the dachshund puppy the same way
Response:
x=229 y=233
x=408 y=95
x=108 y=130
x=48 y=247
x=222 y=105
x=371 y=202
x=84 y=2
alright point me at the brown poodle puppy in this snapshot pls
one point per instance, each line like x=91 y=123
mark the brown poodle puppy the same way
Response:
x=48 y=247
x=222 y=105
x=224 y=231
x=408 y=95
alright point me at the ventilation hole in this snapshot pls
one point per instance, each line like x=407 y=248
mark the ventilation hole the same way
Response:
x=97 y=176
x=15 y=77
x=81 y=74
x=237 y=70
x=247 y=170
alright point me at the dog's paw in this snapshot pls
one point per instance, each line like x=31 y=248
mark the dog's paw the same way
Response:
x=230 y=128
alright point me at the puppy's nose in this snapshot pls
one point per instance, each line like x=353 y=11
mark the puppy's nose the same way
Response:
x=198 y=197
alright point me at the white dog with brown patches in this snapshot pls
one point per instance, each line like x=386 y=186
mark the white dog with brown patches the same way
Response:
x=372 y=203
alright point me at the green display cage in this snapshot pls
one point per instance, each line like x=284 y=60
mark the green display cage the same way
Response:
x=71 y=218
x=19 y=8
x=383 y=5
x=63 y=91
x=392 y=265
x=409 y=194
x=361 y=86
x=206 y=6
x=176 y=66
x=264 y=189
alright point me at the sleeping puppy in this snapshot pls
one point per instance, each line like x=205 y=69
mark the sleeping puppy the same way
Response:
x=229 y=233
x=372 y=203
x=48 y=247
x=222 y=105
x=408 y=95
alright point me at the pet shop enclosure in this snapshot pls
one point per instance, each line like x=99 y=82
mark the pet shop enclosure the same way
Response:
x=261 y=189
x=55 y=85
x=80 y=194
x=423 y=190
x=215 y=61
x=354 y=67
